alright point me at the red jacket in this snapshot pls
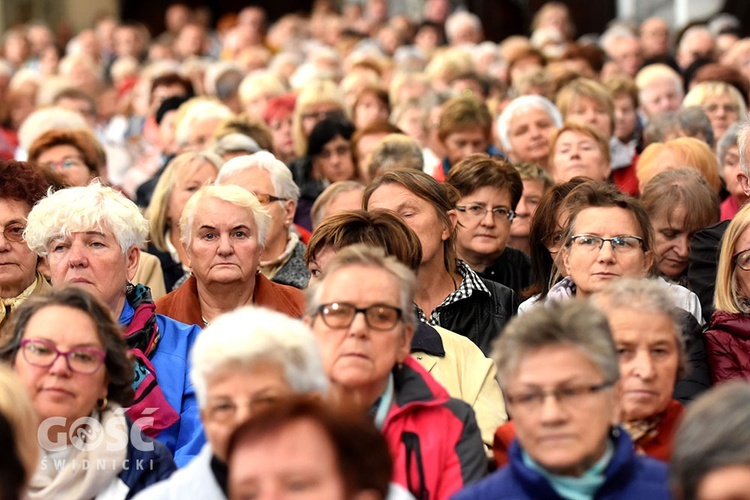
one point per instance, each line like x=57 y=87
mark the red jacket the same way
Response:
x=434 y=439
x=728 y=346
x=183 y=305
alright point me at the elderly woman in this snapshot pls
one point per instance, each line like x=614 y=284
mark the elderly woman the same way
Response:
x=678 y=153
x=647 y=330
x=679 y=203
x=526 y=127
x=710 y=460
x=244 y=361
x=449 y=294
x=224 y=231
x=722 y=103
x=452 y=359
x=490 y=190
x=184 y=175
x=283 y=257
x=579 y=151
x=572 y=446
x=91 y=238
x=366 y=359
x=727 y=336
x=343 y=456
x=727 y=152
x=83 y=394
x=75 y=155
x=338 y=197
x=21 y=186
x=536 y=182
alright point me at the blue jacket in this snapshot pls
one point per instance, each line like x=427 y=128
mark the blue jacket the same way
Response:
x=627 y=476
x=145 y=468
x=171 y=362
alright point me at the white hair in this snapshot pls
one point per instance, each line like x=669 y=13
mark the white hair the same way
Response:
x=281 y=176
x=216 y=70
x=232 y=194
x=46 y=119
x=655 y=72
x=614 y=35
x=260 y=83
x=82 y=209
x=523 y=104
x=198 y=111
x=455 y=20
x=252 y=336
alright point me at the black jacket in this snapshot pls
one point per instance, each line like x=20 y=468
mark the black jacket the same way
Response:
x=481 y=317
x=704 y=258
x=512 y=269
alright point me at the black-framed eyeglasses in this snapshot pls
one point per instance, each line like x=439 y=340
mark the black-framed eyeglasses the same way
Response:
x=480 y=211
x=620 y=244
x=84 y=360
x=265 y=199
x=742 y=259
x=533 y=399
x=14 y=232
x=377 y=317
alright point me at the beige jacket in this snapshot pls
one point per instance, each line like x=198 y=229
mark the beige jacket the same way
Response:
x=149 y=273
x=469 y=376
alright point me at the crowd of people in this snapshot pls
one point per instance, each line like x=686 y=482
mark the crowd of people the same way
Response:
x=348 y=255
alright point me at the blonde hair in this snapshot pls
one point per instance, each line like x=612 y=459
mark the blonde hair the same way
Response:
x=180 y=167
x=260 y=84
x=315 y=93
x=588 y=89
x=689 y=152
x=703 y=90
x=16 y=407
x=727 y=296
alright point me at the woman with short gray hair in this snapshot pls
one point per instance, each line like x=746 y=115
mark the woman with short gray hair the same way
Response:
x=565 y=353
x=270 y=180
x=244 y=361
x=727 y=151
x=711 y=458
x=526 y=127
x=224 y=230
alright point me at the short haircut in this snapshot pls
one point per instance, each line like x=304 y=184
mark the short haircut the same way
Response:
x=252 y=336
x=727 y=296
x=619 y=86
x=91 y=150
x=243 y=124
x=442 y=197
x=655 y=72
x=77 y=94
x=381 y=229
x=743 y=145
x=260 y=84
x=645 y=295
x=571 y=323
x=197 y=110
x=361 y=452
x=682 y=186
x=314 y=94
x=689 y=151
x=21 y=181
x=726 y=141
x=713 y=435
x=480 y=170
x=691 y=121
x=580 y=128
x=118 y=363
x=179 y=167
x=82 y=209
x=704 y=90
x=232 y=194
x=522 y=105
x=374 y=258
x=172 y=79
x=325 y=131
x=596 y=194
x=374 y=127
x=464 y=112
x=328 y=196
x=395 y=151
x=281 y=176
x=533 y=172
x=587 y=89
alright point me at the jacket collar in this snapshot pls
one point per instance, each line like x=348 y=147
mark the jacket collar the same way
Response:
x=427 y=339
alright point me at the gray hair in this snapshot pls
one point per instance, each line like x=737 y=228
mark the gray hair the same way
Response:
x=251 y=336
x=691 y=121
x=231 y=194
x=645 y=295
x=743 y=145
x=714 y=434
x=198 y=110
x=281 y=176
x=371 y=257
x=82 y=209
x=523 y=104
x=726 y=141
x=456 y=20
x=574 y=323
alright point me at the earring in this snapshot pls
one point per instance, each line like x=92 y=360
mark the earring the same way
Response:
x=102 y=404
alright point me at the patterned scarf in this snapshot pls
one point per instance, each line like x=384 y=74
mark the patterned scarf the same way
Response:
x=12 y=303
x=142 y=336
x=643 y=431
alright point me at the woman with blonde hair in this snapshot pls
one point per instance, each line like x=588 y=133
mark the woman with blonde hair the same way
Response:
x=17 y=411
x=678 y=153
x=728 y=336
x=184 y=175
x=722 y=103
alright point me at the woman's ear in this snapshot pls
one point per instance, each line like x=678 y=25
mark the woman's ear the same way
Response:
x=133 y=257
